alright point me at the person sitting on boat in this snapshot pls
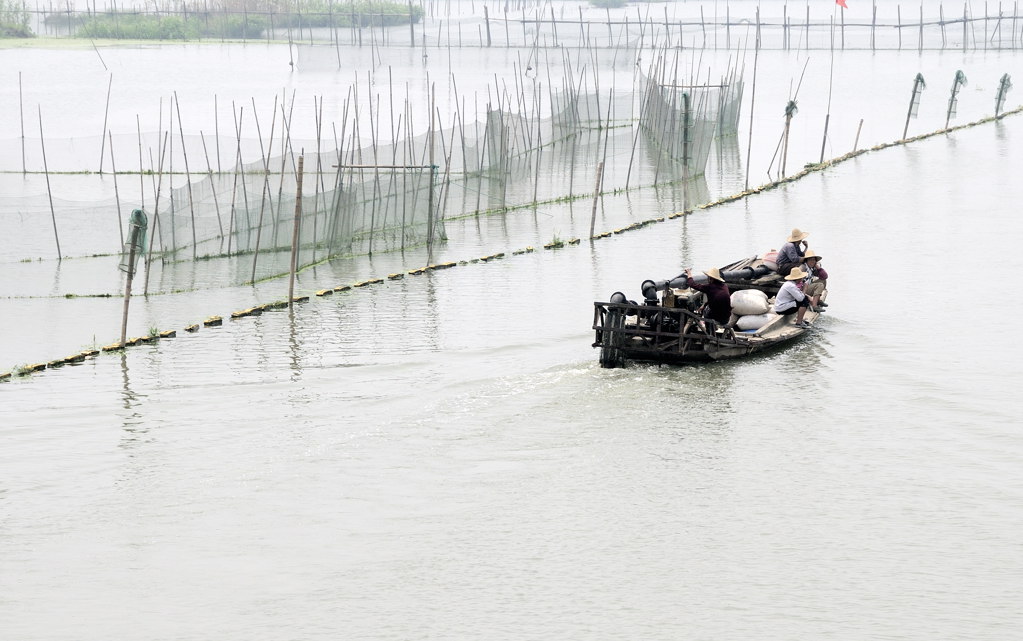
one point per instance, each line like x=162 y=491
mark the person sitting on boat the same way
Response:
x=791 y=253
x=791 y=299
x=719 y=299
x=816 y=280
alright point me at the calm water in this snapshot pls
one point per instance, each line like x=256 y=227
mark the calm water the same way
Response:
x=441 y=457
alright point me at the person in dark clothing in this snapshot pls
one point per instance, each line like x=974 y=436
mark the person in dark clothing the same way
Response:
x=791 y=253
x=719 y=299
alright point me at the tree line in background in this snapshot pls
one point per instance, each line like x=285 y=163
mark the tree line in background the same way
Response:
x=226 y=19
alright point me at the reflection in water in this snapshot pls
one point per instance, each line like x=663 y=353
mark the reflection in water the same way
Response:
x=133 y=422
x=729 y=159
x=295 y=345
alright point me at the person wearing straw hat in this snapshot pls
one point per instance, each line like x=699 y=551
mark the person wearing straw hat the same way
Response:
x=791 y=253
x=719 y=299
x=816 y=280
x=791 y=300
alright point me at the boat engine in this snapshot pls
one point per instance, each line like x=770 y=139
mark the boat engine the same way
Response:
x=619 y=299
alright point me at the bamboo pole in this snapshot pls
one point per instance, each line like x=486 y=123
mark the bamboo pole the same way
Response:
x=188 y=179
x=965 y=34
x=898 y=9
x=873 y=24
x=216 y=132
x=238 y=116
x=142 y=173
x=941 y=20
x=486 y=20
x=433 y=171
x=266 y=181
x=135 y=230
x=117 y=195
x=21 y=115
x=294 y=234
x=49 y=192
x=106 y=114
x=156 y=213
x=213 y=188
x=596 y=195
x=920 y=47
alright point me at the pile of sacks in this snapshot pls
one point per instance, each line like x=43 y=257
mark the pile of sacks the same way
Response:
x=750 y=309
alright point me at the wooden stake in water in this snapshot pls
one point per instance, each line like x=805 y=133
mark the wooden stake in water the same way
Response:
x=957 y=82
x=103 y=135
x=914 y=102
x=137 y=230
x=596 y=195
x=790 y=110
x=117 y=195
x=753 y=98
x=156 y=211
x=21 y=114
x=294 y=234
x=49 y=192
x=142 y=173
x=188 y=179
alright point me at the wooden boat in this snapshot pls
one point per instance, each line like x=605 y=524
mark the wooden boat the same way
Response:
x=668 y=328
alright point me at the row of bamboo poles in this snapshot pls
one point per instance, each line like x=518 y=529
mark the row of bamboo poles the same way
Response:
x=213 y=212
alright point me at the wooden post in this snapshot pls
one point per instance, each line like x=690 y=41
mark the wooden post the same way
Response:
x=127 y=288
x=703 y=27
x=103 y=135
x=918 y=85
x=49 y=192
x=856 y=143
x=117 y=195
x=843 y=29
x=785 y=26
x=808 y=26
x=752 y=101
x=188 y=179
x=898 y=8
x=433 y=174
x=21 y=114
x=965 y=34
x=686 y=137
x=1015 y=8
x=137 y=225
x=873 y=25
x=921 y=43
x=941 y=21
x=596 y=194
x=294 y=234
x=486 y=20
x=785 y=144
x=156 y=212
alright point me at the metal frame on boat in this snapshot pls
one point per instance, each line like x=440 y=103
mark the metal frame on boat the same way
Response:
x=667 y=327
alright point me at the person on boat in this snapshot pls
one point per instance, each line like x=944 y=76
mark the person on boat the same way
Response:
x=791 y=299
x=719 y=299
x=791 y=253
x=816 y=280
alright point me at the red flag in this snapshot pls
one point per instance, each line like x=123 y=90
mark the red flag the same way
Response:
x=841 y=3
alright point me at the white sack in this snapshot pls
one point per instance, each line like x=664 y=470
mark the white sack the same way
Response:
x=755 y=321
x=747 y=302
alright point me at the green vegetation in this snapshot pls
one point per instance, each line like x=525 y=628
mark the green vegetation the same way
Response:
x=14 y=20
x=608 y=4
x=139 y=26
x=327 y=13
x=231 y=19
